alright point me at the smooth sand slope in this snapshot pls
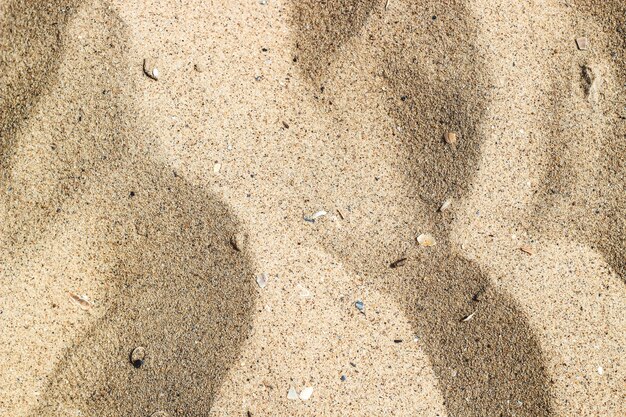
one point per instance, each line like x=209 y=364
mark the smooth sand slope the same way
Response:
x=129 y=190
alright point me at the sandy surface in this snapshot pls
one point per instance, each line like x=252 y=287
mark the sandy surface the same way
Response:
x=128 y=192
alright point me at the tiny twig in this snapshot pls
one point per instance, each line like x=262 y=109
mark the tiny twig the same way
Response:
x=399 y=262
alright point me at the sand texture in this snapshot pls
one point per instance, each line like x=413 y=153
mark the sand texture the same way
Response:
x=247 y=214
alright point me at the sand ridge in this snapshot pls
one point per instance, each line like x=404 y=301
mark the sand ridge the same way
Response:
x=493 y=364
x=171 y=281
x=340 y=106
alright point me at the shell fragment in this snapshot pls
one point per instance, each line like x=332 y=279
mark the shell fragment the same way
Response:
x=238 y=241
x=261 y=280
x=468 y=318
x=80 y=300
x=303 y=291
x=292 y=394
x=137 y=356
x=445 y=205
x=311 y=218
x=150 y=69
x=426 y=239
x=306 y=393
x=582 y=43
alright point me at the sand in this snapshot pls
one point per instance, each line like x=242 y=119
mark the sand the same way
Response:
x=127 y=191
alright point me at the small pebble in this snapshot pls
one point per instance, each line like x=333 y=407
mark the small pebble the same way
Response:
x=137 y=356
x=600 y=370
x=199 y=67
x=343 y=377
x=451 y=139
x=216 y=168
x=306 y=393
x=359 y=305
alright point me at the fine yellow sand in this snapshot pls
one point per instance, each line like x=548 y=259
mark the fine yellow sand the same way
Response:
x=139 y=213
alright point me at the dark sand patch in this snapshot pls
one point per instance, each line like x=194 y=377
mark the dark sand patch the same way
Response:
x=87 y=137
x=179 y=290
x=584 y=178
x=31 y=32
x=322 y=26
x=175 y=285
x=492 y=364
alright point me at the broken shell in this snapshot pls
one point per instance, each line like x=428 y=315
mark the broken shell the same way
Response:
x=137 y=356
x=446 y=205
x=306 y=393
x=303 y=291
x=527 y=249
x=311 y=218
x=149 y=68
x=468 y=318
x=238 y=241
x=261 y=280
x=450 y=138
x=80 y=300
x=582 y=43
x=426 y=239
x=216 y=168
x=292 y=394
